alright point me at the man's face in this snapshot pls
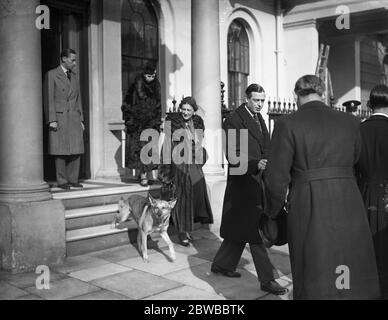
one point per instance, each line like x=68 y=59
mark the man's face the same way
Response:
x=70 y=62
x=256 y=102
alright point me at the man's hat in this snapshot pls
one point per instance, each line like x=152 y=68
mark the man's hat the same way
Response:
x=273 y=231
x=351 y=105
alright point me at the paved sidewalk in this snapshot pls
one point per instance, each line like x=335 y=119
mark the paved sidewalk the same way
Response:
x=121 y=274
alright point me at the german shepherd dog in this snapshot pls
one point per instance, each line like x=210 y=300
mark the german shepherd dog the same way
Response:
x=150 y=215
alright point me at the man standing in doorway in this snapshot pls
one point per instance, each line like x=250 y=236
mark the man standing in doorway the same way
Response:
x=243 y=200
x=64 y=116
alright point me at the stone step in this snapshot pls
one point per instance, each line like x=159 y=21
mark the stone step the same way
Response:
x=104 y=196
x=90 y=216
x=97 y=238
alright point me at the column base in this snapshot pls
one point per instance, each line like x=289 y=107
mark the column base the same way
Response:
x=111 y=173
x=32 y=193
x=213 y=170
x=31 y=234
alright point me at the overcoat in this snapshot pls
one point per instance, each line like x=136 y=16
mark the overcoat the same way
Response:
x=313 y=152
x=372 y=172
x=193 y=203
x=62 y=104
x=141 y=110
x=243 y=195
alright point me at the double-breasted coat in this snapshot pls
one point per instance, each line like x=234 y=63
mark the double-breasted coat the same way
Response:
x=243 y=201
x=372 y=172
x=313 y=152
x=62 y=104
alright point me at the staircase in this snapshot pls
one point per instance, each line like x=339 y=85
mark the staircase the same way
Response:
x=89 y=214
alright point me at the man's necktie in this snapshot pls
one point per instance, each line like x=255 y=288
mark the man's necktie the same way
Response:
x=68 y=73
x=258 y=122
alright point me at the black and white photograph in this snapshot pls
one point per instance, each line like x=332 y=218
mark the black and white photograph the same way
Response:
x=215 y=152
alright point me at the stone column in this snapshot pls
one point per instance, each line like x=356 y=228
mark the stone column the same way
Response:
x=206 y=79
x=31 y=226
x=206 y=89
x=21 y=144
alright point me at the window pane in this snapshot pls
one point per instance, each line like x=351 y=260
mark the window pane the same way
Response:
x=238 y=63
x=139 y=38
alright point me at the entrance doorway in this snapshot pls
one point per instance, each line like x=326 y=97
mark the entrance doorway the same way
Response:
x=68 y=29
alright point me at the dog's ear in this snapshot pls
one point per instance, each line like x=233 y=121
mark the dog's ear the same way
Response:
x=121 y=202
x=151 y=200
x=172 y=203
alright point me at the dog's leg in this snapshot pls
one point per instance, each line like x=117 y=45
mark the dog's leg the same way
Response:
x=144 y=246
x=167 y=239
x=139 y=245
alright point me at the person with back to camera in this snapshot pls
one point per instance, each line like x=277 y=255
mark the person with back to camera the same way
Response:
x=372 y=173
x=313 y=153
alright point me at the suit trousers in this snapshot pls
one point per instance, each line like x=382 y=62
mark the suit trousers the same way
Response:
x=67 y=168
x=229 y=255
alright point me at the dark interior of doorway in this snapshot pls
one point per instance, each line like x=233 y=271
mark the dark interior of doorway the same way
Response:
x=68 y=29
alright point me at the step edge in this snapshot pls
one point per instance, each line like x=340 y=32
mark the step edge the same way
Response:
x=95 y=234
x=102 y=192
x=90 y=211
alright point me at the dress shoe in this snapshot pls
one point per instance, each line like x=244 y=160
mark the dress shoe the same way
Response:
x=143 y=180
x=64 y=186
x=76 y=185
x=183 y=240
x=226 y=273
x=273 y=287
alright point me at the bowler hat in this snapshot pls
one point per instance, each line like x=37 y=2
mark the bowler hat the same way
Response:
x=273 y=231
x=351 y=105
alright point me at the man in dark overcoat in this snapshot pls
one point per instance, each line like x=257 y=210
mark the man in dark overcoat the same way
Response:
x=64 y=116
x=243 y=196
x=313 y=152
x=372 y=172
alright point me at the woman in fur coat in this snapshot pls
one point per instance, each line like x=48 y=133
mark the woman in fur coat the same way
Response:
x=141 y=110
x=187 y=158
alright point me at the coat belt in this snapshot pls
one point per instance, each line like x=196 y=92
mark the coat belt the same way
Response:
x=300 y=176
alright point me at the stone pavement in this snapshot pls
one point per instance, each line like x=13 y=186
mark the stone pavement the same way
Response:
x=121 y=274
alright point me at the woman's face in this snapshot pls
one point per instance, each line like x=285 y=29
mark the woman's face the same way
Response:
x=149 y=77
x=187 y=111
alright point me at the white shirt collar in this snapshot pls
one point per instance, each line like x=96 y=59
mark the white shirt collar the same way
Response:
x=380 y=114
x=250 y=112
x=64 y=69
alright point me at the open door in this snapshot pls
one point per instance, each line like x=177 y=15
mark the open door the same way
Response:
x=68 y=29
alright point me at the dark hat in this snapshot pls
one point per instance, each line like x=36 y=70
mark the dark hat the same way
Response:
x=150 y=67
x=273 y=231
x=351 y=105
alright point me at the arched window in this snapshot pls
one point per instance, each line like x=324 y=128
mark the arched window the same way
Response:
x=238 y=63
x=139 y=37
